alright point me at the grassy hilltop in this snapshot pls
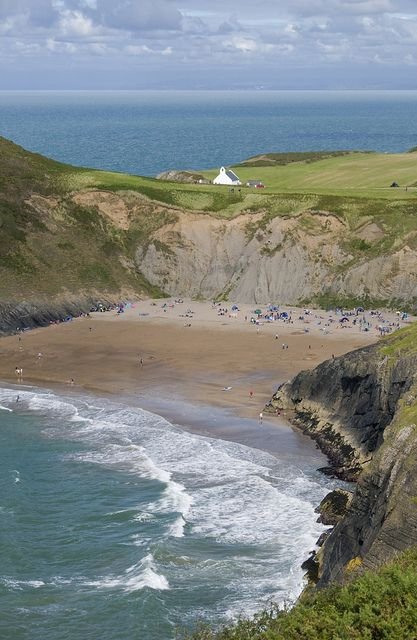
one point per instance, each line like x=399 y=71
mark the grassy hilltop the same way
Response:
x=69 y=229
x=339 y=173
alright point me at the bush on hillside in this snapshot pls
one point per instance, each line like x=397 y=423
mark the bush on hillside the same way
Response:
x=381 y=605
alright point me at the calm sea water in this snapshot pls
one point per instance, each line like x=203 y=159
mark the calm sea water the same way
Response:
x=117 y=525
x=146 y=132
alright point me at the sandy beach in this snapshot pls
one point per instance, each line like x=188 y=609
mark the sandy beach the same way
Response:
x=162 y=352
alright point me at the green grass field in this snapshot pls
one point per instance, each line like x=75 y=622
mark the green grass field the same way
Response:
x=357 y=174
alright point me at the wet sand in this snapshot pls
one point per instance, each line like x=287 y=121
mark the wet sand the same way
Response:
x=165 y=356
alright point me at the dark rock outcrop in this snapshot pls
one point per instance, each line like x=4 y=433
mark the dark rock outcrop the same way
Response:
x=346 y=403
x=334 y=506
x=185 y=177
x=361 y=409
x=38 y=312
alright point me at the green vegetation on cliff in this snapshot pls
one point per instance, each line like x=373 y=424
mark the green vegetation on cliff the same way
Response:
x=50 y=244
x=67 y=229
x=380 y=605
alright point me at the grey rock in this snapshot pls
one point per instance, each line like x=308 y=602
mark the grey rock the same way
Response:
x=352 y=407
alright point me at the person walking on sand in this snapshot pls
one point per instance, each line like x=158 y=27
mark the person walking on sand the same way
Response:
x=260 y=418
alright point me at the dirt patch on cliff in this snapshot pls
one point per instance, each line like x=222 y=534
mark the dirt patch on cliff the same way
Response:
x=370 y=232
x=109 y=204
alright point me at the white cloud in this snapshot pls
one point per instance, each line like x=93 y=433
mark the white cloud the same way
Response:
x=74 y=23
x=130 y=15
x=322 y=34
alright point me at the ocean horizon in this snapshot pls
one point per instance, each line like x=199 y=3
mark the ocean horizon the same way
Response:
x=148 y=132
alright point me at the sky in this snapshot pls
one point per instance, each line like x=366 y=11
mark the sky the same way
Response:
x=208 y=44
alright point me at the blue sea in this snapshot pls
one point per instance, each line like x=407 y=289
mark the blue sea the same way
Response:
x=116 y=524
x=146 y=132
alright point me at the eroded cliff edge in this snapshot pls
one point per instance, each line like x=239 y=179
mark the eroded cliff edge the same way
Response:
x=362 y=410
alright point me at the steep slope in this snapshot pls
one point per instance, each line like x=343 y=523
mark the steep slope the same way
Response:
x=74 y=234
x=291 y=257
x=362 y=410
x=60 y=250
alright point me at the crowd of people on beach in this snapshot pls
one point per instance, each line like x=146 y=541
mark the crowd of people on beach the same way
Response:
x=325 y=321
x=294 y=321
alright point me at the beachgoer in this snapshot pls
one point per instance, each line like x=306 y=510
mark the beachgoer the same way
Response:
x=250 y=393
x=141 y=362
x=260 y=417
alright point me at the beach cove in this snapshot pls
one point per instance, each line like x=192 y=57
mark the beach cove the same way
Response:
x=201 y=352
x=212 y=519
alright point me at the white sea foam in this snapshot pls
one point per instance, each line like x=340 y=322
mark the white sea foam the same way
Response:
x=144 y=517
x=19 y=585
x=5 y=409
x=223 y=492
x=177 y=528
x=50 y=403
x=137 y=577
x=16 y=475
x=176 y=498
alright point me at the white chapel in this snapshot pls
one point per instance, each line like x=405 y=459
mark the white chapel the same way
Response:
x=227 y=176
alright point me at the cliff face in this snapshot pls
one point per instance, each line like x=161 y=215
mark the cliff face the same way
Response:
x=39 y=311
x=66 y=230
x=256 y=258
x=362 y=410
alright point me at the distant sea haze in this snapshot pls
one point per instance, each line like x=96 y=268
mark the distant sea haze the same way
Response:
x=147 y=132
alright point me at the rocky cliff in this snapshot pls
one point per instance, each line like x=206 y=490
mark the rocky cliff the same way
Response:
x=362 y=410
x=290 y=258
x=39 y=311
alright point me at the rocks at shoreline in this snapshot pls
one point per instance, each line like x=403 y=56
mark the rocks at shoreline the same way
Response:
x=334 y=506
x=22 y=315
x=360 y=409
